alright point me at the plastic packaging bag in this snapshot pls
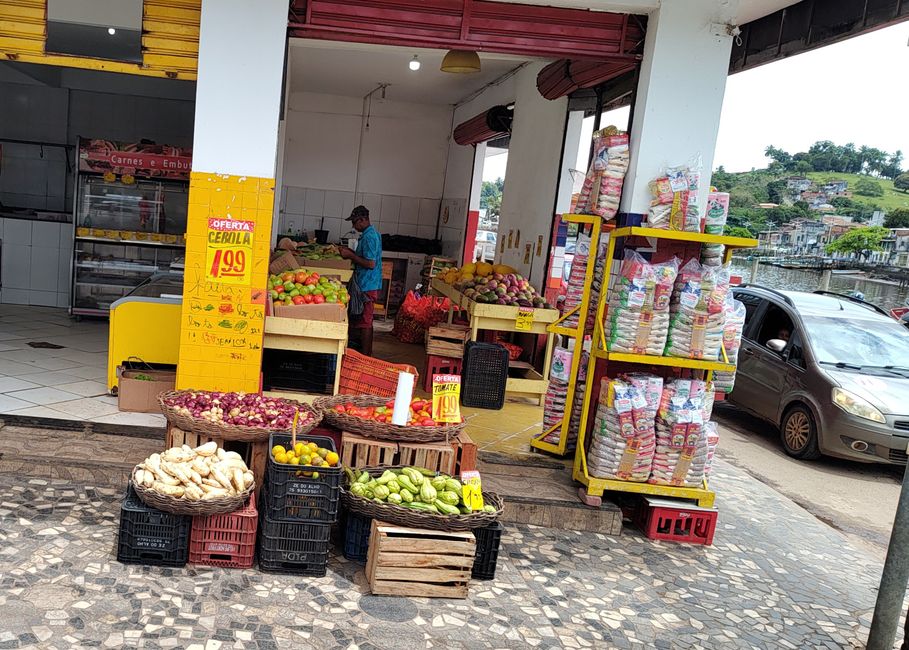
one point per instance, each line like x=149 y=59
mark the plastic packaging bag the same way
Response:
x=638 y=316
x=732 y=341
x=602 y=188
x=697 y=312
x=623 y=439
x=716 y=213
x=681 y=454
x=676 y=196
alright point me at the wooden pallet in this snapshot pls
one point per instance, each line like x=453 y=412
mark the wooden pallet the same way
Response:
x=447 y=340
x=418 y=562
x=255 y=454
x=465 y=454
x=357 y=451
x=437 y=456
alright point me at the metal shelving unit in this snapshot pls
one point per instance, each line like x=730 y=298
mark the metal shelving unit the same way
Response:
x=594 y=486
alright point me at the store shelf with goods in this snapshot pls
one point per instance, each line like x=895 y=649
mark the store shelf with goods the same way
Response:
x=653 y=360
x=577 y=333
x=504 y=318
x=678 y=235
x=130 y=242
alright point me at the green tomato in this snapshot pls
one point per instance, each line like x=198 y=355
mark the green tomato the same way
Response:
x=317 y=291
x=293 y=293
x=288 y=286
x=273 y=294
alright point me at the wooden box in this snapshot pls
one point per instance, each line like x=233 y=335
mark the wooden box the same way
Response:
x=418 y=562
x=437 y=456
x=465 y=454
x=357 y=451
x=447 y=340
x=255 y=454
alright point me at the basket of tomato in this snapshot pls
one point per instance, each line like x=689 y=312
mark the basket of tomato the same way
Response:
x=370 y=416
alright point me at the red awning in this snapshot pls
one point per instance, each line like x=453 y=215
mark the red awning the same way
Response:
x=564 y=77
x=488 y=125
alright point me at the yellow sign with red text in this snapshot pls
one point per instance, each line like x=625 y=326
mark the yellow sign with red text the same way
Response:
x=446 y=398
x=228 y=251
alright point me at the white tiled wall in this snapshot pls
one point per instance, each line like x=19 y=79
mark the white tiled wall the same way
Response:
x=35 y=265
x=304 y=208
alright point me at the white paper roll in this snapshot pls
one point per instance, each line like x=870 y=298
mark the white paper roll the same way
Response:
x=402 y=398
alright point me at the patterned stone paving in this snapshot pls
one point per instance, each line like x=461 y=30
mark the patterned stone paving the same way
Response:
x=775 y=578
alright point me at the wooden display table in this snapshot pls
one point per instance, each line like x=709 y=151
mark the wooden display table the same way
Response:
x=302 y=335
x=503 y=318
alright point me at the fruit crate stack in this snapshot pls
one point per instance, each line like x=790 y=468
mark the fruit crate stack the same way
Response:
x=435 y=265
x=298 y=505
x=149 y=536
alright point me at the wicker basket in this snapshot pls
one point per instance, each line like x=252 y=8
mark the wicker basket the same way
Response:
x=233 y=431
x=380 y=430
x=181 y=506
x=402 y=516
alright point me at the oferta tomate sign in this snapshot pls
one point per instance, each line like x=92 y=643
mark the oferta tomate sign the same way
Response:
x=142 y=159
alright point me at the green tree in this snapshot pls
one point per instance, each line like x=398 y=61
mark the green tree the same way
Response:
x=859 y=241
x=897 y=218
x=868 y=187
x=777 y=155
x=776 y=190
x=802 y=167
x=740 y=197
x=901 y=182
x=737 y=231
x=803 y=206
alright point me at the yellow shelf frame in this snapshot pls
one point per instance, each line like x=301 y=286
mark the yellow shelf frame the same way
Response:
x=596 y=486
x=577 y=333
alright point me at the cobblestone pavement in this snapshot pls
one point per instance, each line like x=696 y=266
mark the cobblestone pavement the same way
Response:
x=775 y=577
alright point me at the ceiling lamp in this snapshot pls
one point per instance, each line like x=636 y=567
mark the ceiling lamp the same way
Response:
x=461 y=61
x=414 y=63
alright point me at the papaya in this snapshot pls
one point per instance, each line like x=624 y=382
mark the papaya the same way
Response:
x=483 y=269
x=468 y=269
x=503 y=269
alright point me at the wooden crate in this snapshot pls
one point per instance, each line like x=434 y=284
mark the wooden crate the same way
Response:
x=255 y=454
x=465 y=454
x=418 y=562
x=357 y=451
x=447 y=340
x=437 y=456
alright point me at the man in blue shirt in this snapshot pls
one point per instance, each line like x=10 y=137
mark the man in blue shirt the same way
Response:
x=367 y=275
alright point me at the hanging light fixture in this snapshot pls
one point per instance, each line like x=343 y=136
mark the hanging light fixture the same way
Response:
x=461 y=62
x=414 y=63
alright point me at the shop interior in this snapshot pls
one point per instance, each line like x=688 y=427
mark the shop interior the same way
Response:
x=362 y=125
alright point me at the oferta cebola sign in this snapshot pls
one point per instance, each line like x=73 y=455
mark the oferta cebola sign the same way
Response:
x=228 y=251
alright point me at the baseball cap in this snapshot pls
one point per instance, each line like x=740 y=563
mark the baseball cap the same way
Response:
x=357 y=212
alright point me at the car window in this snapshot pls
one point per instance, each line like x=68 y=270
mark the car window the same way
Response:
x=775 y=324
x=751 y=303
x=796 y=351
x=865 y=342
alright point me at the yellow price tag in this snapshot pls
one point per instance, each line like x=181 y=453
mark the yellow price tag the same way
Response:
x=228 y=254
x=446 y=398
x=524 y=320
x=472 y=490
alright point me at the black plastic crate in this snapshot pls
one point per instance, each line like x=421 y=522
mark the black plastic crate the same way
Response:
x=294 y=548
x=310 y=372
x=484 y=375
x=488 y=540
x=149 y=536
x=293 y=496
x=357 y=529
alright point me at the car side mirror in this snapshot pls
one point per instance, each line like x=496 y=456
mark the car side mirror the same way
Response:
x=776 y=345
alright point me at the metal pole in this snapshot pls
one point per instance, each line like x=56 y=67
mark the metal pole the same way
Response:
x=892 y=591
x=825 y=279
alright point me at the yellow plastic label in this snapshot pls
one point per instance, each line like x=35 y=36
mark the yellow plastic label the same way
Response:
x=472 y=490
x=446 y=398
x=524 y=320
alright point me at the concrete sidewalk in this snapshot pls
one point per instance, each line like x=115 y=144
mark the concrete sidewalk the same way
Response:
x=775 y=577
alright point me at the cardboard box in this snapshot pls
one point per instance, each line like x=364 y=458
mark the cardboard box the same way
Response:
x=282 y=261
x=341 y=265
x=141 y=395
x=333 y=313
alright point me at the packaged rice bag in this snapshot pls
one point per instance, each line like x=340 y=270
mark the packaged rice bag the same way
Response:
x=623 y=441
x=732 y=341
x=638 y=314
x=681 y=454
x=697 y=312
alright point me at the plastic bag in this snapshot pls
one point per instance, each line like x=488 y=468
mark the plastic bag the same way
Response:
x=681 y=454
x=676 y=196
x=638 y=315
x=732 y=341
x=623 y=441
x=602 y=188
x=697 y=312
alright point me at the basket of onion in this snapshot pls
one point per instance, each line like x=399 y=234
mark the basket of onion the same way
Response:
x=248 y=417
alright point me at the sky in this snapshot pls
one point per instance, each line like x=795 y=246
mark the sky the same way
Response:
x=854 y=91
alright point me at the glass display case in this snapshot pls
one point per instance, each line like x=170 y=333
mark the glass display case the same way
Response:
x=126 y=230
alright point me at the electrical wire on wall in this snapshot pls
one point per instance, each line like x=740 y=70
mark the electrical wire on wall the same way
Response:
x=366 y=113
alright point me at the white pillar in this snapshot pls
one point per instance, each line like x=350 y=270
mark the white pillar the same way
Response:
x=532 y=175
x=570 y=151
x=476 y=181
x=680 y=93
x=238 y=95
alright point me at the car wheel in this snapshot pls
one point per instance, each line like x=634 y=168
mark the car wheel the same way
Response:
x=798 y=434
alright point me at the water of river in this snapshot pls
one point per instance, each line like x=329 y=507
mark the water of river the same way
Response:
x=879 y=293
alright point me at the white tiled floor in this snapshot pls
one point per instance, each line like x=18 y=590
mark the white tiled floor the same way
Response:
x=66 y=384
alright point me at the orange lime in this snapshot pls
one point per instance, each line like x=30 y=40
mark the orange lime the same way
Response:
x=299 y=448
x=332 y=458
x=277 y=449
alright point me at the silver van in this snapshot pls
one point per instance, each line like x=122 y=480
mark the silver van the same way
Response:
x=831 y=371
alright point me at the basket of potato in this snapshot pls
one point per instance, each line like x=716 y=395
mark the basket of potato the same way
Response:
x=203 y=481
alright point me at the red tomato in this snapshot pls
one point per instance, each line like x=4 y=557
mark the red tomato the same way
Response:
x=318 y=300
x=279 y=288
x=339 y=408
x=307 y=299
x=428 y=422
x=298 y=300
x=300 y=277
x=311 y=280
x=390 y=404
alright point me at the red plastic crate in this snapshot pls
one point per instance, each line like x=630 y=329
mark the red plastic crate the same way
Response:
x=227 y=541
x=665 y=520
x=363 y=375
